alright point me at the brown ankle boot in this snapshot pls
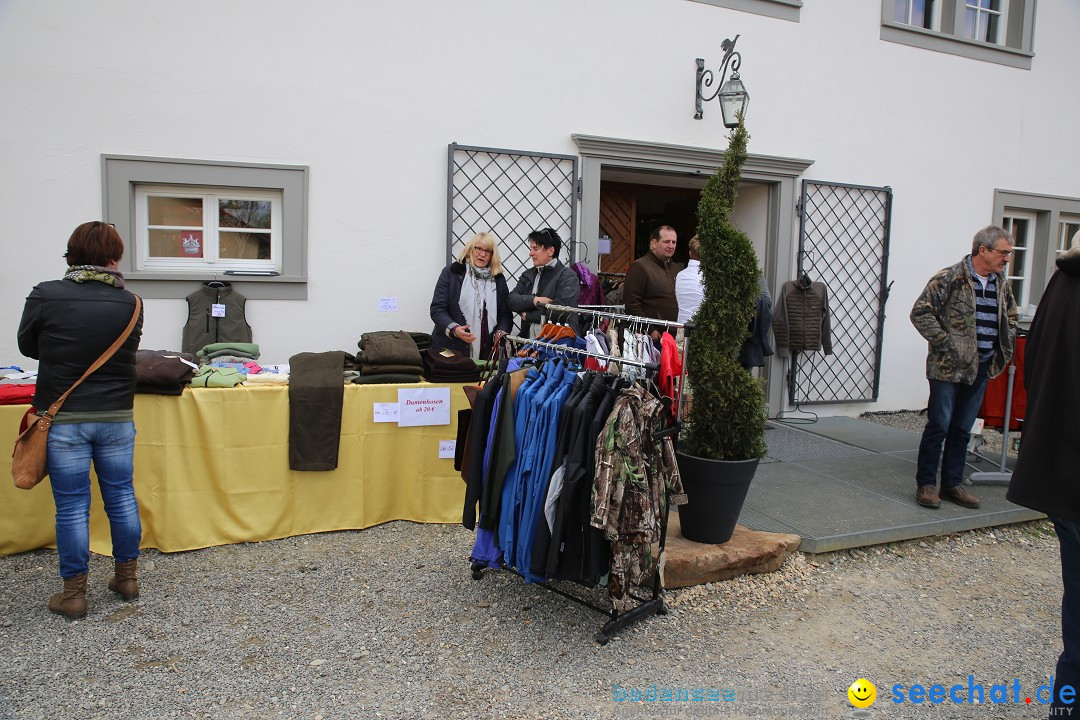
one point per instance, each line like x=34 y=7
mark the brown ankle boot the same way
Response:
x=71 y=601
x=126 y=580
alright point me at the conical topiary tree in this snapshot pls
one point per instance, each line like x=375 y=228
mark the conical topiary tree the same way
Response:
x=727 y=418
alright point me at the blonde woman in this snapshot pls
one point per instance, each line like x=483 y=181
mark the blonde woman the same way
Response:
x=470 y=301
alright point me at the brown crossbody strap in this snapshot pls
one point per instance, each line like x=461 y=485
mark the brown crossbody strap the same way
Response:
x=50 y=414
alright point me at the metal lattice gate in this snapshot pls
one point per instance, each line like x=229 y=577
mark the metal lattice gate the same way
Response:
x=510 y=193
x=844 y=243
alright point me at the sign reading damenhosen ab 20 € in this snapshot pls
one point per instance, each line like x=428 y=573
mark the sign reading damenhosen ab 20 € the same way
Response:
x=423 y=406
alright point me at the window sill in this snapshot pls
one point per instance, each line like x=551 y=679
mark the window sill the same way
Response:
x=170 y=286
x=780 y=9
x=940 y=42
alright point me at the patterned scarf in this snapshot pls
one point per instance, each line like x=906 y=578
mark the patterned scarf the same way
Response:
x=83 y=273
x=479 y=305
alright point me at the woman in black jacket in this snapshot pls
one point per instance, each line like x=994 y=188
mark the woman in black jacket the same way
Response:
x=66 y=325
x=470 y=301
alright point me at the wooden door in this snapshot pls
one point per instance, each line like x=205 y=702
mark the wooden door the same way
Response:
x=618 y=209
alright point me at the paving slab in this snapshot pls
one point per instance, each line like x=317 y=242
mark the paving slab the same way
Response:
x=862 y=434
x=856 y=487
x=787 y=444
x=830 y=513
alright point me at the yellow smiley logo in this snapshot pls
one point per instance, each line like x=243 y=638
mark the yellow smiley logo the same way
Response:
x=862 y=693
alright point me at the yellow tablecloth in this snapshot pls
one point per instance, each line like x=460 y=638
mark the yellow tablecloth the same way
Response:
x=212 y=467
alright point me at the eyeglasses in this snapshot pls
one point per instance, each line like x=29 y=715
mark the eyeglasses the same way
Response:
x=484 y=251
x=1004 y=253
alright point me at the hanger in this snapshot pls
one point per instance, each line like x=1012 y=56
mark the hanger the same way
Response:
x=560 y=332
x=574 y=244
x=546 y=330
x=574 y=361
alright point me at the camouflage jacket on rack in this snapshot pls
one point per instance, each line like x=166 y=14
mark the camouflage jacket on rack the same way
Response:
x=635 y=477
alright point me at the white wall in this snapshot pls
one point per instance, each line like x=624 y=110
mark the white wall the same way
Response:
x=369 y=94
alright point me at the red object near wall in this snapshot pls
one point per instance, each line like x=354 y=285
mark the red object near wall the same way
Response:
x=17 y=394
x=993 y=405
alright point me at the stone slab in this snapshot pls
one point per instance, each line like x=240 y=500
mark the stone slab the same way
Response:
x=748 y=552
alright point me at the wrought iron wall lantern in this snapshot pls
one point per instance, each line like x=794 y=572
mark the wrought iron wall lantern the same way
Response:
x=733 y=95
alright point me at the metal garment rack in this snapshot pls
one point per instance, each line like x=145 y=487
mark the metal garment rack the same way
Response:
x=635 y=319
x=578 y=351
x=648 y=606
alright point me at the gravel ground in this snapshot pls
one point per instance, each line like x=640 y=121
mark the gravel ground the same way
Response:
x=388 y=623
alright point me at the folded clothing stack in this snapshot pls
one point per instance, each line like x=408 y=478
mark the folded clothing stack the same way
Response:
x=16 y=393
x=449 y=366
x=388 y=356
x=219 y=377
x=422 y=340
x=163 y=372
x=229 y=352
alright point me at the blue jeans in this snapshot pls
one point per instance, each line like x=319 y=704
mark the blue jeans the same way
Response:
x=111 y=445
x=949 y=417
x=1068 y=665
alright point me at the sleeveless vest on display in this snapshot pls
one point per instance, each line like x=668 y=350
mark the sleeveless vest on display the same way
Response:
x=203 y=328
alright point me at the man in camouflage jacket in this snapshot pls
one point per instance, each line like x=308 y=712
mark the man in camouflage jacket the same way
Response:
x=968 y=316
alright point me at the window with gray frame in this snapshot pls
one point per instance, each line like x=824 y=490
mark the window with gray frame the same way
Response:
x=1043 y=227
x=192 y=220
x=1000 y=31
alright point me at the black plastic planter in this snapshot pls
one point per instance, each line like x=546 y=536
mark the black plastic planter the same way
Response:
x=715 y=492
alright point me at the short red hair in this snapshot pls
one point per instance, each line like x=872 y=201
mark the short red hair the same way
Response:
x=94 y=243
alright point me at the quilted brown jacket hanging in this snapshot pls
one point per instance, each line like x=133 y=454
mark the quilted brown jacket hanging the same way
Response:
x=801 y=318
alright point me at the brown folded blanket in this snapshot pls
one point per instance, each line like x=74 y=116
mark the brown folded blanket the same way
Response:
x=366 y=369
x=155 y=373
x=388 y=379
x=449 y=366
x=388 y=347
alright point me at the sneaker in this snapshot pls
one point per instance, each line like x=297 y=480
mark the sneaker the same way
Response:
x=927 y=496
x=960 y=496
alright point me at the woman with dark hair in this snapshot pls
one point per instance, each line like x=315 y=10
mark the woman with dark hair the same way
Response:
x=470 y=300
x=547 y=281
x=66 y=325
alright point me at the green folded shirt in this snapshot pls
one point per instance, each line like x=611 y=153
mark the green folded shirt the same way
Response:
x=209 y=376
x=248 y=348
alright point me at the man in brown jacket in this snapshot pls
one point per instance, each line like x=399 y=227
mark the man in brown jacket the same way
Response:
x=649 y=289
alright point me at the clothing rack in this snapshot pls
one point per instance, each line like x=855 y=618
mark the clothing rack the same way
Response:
x=647 y=606
x=613 y=308
x=605 y=313
x=579 y=351
x=635 y=319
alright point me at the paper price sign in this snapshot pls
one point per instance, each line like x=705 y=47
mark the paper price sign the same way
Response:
x=423 y=406
x=386 y=412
